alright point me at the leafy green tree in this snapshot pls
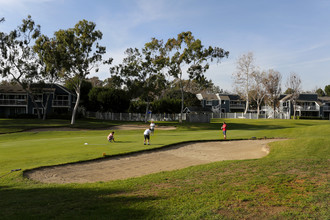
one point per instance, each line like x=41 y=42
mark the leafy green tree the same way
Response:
x=166 y=105
x=141 y=72
x=82 y=52
x=17 y=58
x=190 y=98
x=95 y=81
x=320 y=92
x=95 y=105
x=51 y=60
x=194 y=86
x=138 y=106
x=327 y=90
x=288 y=91
x=114 y=100
x=114 y=82
x=186 y=51
x=107 y=99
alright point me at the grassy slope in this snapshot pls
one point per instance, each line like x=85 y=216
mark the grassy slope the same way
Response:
x=291 y=182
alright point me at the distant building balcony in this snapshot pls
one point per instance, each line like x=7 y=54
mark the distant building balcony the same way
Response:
x=308 y=108
x=326 y=108
x=13 y=102
x=237 y=106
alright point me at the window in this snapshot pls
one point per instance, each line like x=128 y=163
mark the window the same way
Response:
x=208 y=102
x=61 y=100
x=62 y=97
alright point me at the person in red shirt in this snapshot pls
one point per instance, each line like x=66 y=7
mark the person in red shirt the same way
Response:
x=224 y=130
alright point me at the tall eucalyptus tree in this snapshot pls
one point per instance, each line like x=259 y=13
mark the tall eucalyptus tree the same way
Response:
x=80 y=54
x=186 y=52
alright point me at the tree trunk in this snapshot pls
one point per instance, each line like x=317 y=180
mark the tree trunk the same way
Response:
x=294 y=110
x=258 y=109
x=182 y=103
x=75 y=109
x=147 y=110
x=46 y=107
x=246 y=106
x=35 y=104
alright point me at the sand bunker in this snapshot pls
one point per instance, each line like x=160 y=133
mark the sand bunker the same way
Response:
x=140 y=164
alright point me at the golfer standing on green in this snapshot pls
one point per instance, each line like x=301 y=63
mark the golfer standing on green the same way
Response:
x=224 y=130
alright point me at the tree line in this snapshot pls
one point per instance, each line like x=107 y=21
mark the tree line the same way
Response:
x=71 y=55
x=147 y=79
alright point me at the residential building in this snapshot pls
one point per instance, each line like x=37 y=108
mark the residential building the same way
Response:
x=325 y=108
x=223 y=103
x=306 y=105
x=15 y=101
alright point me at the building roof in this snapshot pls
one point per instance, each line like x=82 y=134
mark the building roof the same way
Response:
x=307 y=97
x=233 y=97
x=11 y=88
x=224 y=97
x=16 y=88
x=324 y=98
x=302 y=98
x=207 y=96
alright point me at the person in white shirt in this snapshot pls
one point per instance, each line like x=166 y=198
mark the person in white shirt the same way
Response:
x=147 y=135
x=111 y=137
x=152 y=127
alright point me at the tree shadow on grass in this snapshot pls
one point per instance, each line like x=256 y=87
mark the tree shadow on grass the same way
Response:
x=74 y=203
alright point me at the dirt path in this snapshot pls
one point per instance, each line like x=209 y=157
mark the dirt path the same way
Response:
x=140 y=164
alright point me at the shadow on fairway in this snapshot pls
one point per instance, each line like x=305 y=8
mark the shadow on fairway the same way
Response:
x=74 y=203
x=239 y=126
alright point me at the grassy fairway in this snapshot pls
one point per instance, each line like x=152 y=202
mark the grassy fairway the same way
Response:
x=292 y=182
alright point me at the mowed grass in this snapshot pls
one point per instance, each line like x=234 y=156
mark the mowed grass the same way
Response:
x=292 y=182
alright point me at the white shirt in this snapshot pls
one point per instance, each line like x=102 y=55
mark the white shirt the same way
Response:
x=147 y=132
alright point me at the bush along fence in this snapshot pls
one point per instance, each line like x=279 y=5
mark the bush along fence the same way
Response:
x=189 y=117
x=134 y=116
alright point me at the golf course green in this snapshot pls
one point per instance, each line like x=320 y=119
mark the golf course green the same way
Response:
x=291 y=182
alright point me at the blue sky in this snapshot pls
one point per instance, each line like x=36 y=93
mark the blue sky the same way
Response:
x=288 y=36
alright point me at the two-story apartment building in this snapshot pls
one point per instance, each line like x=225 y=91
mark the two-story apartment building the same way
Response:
x=224 y=103
x=15 y=101
x=307 y=105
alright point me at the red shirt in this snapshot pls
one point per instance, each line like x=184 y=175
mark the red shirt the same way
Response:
x=224 y=126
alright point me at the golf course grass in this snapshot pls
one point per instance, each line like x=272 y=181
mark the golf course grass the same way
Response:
x=292 y=182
